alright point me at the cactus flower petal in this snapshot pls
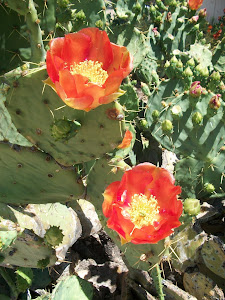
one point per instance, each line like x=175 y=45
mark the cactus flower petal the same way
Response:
x=85 y=69
x=143 y=207
x=194 y=4
x=126 y=140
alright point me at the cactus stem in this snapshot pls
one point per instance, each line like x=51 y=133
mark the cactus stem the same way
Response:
x=9 y=281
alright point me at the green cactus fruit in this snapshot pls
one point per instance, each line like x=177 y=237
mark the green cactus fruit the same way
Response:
x=201 y=286
x=213 y=254
x=209 y=188
x=80 y=15
x=136 y=9
x=187 y=72
x=155 y=114
x=176 y=112
x=24 y=277
x=145 y=89
x=53 y=236
x=215 y=76
x=191 y=63
x=192 y=206
x=167 y=126
x=64 y=129
x=73 y=288
x=197 y=118
x=99 y=24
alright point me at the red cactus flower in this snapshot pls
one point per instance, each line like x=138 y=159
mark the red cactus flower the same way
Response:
x=86 y=69
x=126 y=140
x=217 y=34
x=194 y=4
x=143 y=206
x=209 y=28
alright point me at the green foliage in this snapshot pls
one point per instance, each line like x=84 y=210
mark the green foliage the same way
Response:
x=73 y=288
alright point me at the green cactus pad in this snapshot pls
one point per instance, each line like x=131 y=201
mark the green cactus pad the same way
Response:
x=6 y=239
x=34 y=112
x=186 y=244
x=201 y=286
x=73 y=288
x=24 y=277
x=213 y=253
x=19 y=165
x=27 y=250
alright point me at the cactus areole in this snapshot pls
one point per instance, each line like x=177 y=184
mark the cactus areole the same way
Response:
x=86 y=69
x=143 y=206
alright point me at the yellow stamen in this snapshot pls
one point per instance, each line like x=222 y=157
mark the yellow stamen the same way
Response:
x=143 y=211
x=90 y=69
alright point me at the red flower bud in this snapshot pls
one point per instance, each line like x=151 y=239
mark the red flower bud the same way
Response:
x=195 y=89
x=143 y=206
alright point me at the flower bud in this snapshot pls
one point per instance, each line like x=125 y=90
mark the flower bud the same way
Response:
x=174 y=60
x=176 y=112
x=155 y=114
x=179 y=64
x=202 y=71
x=80 y=15
x=136 y=8
x=193 y=20
x=197 y=118
x=191 y=206
x=187 y=72
x=195 y=89
x=145 y=89
x=202 y=13
x=209 y=188
x=167 y=126
x=214 y=102
x=215 y=76
x=167 y=64
x=191 y=62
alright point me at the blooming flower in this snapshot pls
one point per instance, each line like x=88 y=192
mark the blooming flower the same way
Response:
x=126 y=140
x=143 y=206
x=194 y=4
x=86 y=69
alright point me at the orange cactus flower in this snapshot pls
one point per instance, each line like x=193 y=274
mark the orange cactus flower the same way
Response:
x=86 y=69
x=126 y=140
x=194 y=4
x=143 y=207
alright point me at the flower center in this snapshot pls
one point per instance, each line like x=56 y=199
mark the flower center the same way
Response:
x=90 y=69
x=143 y=211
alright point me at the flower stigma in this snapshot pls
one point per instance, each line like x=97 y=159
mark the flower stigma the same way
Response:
x=143 y=211
x=90 y=69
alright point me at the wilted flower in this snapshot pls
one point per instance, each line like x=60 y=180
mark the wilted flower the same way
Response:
x=194 y=4
x=143 y=206
x=202 y=13
x=85 y=69
x=194 y=19
x=195 y=89
x=214 y=102
x=126 y=140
